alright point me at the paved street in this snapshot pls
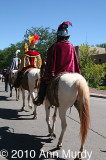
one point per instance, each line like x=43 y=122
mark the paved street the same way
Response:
x=25 y=138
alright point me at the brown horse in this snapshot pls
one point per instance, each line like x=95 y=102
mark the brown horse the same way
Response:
x=30 y=82
x=12 y=78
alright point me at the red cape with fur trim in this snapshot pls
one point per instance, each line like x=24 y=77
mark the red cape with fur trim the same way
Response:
x=62 y=59
x=32 y=53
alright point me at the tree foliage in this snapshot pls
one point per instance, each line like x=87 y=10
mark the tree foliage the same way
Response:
x=92 y=72
x=47 y=38
x=103 y=45
x=98 y=74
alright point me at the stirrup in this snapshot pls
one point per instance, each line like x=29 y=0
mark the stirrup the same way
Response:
x=37 y=101
x=16 y=85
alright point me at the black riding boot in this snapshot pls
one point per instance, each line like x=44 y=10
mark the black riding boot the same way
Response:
x=18 y=80
x=41 y=94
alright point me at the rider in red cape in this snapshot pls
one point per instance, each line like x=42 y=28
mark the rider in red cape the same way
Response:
x=30 y=59
x=61 y=57
x=31 y=54
x=64 y=59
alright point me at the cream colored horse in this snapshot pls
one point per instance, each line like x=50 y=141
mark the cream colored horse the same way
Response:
x=72 y=90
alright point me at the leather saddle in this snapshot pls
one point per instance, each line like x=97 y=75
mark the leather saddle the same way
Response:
x=52 y=90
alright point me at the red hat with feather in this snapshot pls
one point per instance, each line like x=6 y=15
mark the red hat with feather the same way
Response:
x=33 y=39
x=63 y=29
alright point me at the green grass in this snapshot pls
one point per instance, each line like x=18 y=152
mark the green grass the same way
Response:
x=101 y=88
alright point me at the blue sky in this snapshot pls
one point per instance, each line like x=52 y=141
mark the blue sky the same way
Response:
x=87 y=16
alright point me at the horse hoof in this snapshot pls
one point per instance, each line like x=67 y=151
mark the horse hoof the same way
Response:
x=78 y=158
x=22 y=109
x=30 y=107
x=53 y=135
x=59 y=146
x=17 y=99
x=34 y=117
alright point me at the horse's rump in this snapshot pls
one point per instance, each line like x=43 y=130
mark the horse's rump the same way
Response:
x=68 y=82
x=24 y=79
x=12 y=77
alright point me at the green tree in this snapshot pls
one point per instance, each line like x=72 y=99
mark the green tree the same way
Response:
x=103 y=45
x=93 y=73
x=47 y=38
x=85 y=61
x=6 y=56
x=98 y=74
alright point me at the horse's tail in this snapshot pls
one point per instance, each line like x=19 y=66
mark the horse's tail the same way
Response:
x=83 y=97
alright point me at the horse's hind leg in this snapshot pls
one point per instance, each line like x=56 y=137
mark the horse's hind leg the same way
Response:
x=62 y=114
x=19 y=90
x=23 y=97
x=47 y=109
x=10 y=91
x=35 y=112
x=77 y=106
x=16 y=94
x=29 y=102
x=53 y=126
x=35 y=106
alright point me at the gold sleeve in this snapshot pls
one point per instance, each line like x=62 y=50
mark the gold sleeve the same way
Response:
x=37 y=61
x=24 y=62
